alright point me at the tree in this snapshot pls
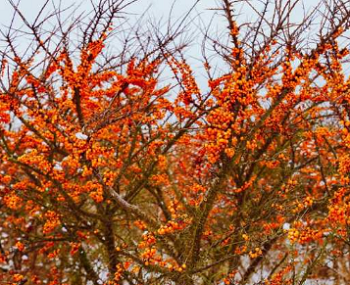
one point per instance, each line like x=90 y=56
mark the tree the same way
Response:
x=113 y=174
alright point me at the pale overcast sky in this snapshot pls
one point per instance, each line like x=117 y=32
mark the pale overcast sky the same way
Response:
x=156 y=10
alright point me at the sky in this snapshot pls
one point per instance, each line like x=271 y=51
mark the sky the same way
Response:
x=157 y=10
